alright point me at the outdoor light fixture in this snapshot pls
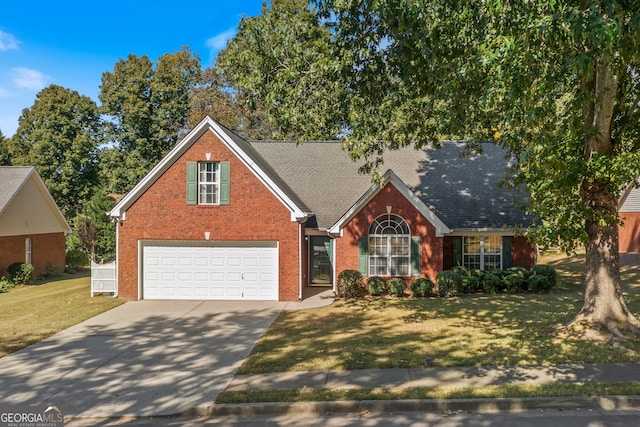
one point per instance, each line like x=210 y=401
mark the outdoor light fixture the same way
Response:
x=207 y=235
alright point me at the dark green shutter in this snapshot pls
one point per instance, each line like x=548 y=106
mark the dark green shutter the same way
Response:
x=415 y=256
x=507 y=255
x=457 y=250
x=225 y=182
x=363 y=255
x=192 y=183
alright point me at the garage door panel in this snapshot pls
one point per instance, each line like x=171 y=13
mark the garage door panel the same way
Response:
x=225 y=273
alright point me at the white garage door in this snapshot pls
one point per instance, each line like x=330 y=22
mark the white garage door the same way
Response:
x=211 y=273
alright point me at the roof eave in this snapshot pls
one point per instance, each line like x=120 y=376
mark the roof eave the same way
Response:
x=390 y=177
x=118 y=212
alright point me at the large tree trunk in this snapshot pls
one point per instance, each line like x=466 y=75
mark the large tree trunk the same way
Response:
x=604 y=307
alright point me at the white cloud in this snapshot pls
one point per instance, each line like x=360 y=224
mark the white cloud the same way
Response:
x=219 y=42
x=7 y=41
x=27 y=78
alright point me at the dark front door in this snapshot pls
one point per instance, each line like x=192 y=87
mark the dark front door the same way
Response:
x=321 y=260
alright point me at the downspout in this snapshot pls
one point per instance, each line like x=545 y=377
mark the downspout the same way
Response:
x=300 y=259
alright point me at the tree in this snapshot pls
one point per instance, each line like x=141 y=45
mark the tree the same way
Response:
x=5 y=159
x=148 y=108
x=282 y=60
x=96 y=231
x=215 y=96
x=59 y=136
x=555 y=82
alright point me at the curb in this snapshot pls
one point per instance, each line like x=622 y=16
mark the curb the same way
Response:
x=605 y=403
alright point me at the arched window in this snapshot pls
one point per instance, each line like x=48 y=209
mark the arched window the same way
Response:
x=389 y=247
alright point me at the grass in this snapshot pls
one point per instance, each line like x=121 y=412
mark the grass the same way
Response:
x=32 y=313
x=468 y=330
x=485 y=392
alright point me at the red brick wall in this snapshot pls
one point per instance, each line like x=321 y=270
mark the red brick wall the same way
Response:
x=46 y=249
x=523 y=253
x=162 y=213
x=430 y=245
x=630 y=232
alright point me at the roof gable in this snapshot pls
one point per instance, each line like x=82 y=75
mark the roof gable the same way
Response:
x=390 y=178
x=240 y=148
x=26 y=206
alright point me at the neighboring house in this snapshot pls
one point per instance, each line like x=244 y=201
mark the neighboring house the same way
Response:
x=32 y=228
x=223 y=218
x=629 y=212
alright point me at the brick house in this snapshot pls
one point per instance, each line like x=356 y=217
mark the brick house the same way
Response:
x=32 y=228
x=629 y=212
x=223 y=218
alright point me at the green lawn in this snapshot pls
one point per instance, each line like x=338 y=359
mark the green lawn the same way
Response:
x=32 y=313
x=469 y=330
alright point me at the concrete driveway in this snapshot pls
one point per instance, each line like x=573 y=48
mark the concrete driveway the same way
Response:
x=139 y=359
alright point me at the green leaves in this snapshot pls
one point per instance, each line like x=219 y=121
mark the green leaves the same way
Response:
x=59 y=135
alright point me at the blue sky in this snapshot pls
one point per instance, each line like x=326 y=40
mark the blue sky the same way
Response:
x=71 y=43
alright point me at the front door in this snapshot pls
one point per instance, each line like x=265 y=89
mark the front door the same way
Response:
x=321 y=260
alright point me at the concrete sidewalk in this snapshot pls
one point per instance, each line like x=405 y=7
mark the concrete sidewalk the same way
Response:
x=432 y=377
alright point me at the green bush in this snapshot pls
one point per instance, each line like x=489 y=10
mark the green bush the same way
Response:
x=14 y=268
x=469 y=284
x=422 y=287
x=514 y=283
x=461 y=270
x=547 y=271
x=375 y=285
x=77 y=258
x=539 y=283
x=6 y=284
x=396 y=286
x=491 y=283
x=349 y=284
x=24 y=276
x=448 y=282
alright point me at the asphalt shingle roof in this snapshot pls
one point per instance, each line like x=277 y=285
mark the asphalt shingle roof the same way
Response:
x=461 y=190
x=12 y=178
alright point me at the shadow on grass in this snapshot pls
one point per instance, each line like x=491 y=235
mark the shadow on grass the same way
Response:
x=467 y=330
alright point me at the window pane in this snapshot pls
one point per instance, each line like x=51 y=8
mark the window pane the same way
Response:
x=399 y=245
x=492 y=262
x=472 y=262
x=493 y=245
x=399 y=266
x=208 y=183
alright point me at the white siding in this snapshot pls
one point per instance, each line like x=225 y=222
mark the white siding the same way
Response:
x=632 y=202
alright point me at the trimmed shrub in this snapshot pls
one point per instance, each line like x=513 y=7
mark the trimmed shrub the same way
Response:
x=6 y=284
x=24 y=276
x=349 y=284
x=422 y=287
x=77 y=258
x=547 y=271
x=461 y=270
x=448 y=282
x=491 y=283
x=14 y=268
x=513 y=283
x=539 y=283
x=375 y=285
x=469 y=284
x=396 y=286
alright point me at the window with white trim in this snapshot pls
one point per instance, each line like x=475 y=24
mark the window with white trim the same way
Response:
x=482 y=252
x=208 y=183
x=389 y=247
x=27 y=250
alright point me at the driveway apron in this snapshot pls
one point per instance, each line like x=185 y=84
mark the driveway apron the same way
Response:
x=139 y=359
